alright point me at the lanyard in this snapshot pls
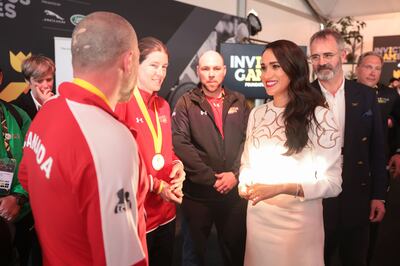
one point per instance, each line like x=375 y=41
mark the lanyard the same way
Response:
x=91 y=88
x=157 y=136
x=6 y=135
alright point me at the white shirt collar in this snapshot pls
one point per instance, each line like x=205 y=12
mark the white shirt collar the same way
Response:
x=327 y=93
x=37 y=104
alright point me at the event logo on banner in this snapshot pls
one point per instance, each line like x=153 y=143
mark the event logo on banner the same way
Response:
x=12 y=90
x=243 y=69
x=8 y=8
x=389 y=48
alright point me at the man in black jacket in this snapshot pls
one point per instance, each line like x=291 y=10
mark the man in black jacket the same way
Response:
x=347 y=217
x=209 y=127
x=369 y=69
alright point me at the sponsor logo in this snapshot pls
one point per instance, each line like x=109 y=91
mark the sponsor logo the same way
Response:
x=123 y=201
x=8 y=8
x=75 y=19
x=53 y=17
x=203 y=112
x=139 y=120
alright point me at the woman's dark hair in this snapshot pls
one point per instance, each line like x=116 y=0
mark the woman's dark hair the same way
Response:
x=303 y=99
x=147 y=45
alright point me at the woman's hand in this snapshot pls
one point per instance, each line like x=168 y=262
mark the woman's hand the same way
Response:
x=243 y=191
x=259 y=192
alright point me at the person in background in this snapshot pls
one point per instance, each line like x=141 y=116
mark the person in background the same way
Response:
x=80 y=164
x=15 y=213
x=348 y=216
x=291 y=160
x=368 y=71
x=150 y=117
x=394 y=83
x=38 y=71
x=209 y=125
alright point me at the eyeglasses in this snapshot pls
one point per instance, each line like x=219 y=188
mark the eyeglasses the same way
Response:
x=316 y=57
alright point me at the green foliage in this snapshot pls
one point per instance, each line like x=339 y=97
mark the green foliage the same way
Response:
x=350 y=29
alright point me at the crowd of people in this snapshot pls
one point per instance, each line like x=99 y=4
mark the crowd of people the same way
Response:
x=93 y=174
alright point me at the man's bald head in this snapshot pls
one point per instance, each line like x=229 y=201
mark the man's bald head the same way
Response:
x=211 y=55
x=99 y=39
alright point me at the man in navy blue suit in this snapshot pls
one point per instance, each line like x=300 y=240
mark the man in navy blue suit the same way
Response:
x=347 y=217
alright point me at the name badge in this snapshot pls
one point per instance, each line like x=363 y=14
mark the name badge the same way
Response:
x=7 y=167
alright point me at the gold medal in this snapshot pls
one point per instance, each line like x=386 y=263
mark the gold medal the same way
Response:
x=158 y=162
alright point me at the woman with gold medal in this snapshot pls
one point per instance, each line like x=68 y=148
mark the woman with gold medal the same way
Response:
x=148 y=115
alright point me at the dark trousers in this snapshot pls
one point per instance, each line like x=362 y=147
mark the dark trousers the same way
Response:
x=21 y=236
x=6 y=247
x=160 y=244
x=348 y=245
x=26 y=242
x=229 y=217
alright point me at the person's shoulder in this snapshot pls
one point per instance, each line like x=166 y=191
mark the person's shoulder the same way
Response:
x=260 y=109
x=234 y=93
x=388 y=91
x=359 y=86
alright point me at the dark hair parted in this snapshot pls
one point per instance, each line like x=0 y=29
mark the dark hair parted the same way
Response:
x=147 y=45
x=303 y=99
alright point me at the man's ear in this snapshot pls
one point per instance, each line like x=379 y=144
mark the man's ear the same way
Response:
x=127 y=63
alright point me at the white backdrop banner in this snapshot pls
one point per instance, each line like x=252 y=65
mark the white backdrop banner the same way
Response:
x=63 y=60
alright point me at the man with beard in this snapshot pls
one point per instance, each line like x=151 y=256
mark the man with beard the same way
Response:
x=80 y=164
x=209 y=127
x=347 y=217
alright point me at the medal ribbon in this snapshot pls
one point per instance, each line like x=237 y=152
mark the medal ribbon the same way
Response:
x=157 y=136
x=91 y=88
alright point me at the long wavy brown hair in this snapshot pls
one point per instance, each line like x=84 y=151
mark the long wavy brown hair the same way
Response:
x=303 y=99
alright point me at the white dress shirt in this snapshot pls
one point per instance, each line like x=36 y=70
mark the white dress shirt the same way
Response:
x=337 y=104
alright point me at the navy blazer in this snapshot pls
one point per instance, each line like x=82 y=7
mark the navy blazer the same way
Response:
x=364 y=170
x=26 y=103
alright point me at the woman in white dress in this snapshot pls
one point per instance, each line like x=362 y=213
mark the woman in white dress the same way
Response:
x=291 y=160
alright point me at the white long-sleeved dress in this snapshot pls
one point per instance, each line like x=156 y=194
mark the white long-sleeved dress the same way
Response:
x=286 y=230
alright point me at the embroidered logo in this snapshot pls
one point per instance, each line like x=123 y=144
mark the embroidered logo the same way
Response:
x=139 y=120
x=123 y=201
x=163 y=119
x=203 y=112
x=233 y=109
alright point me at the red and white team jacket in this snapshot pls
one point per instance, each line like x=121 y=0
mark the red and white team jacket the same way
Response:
x=80 y=168
x=159 y=212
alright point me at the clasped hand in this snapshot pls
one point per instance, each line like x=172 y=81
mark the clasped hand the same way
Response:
x=173 y=192
x=225 y=182
x=9 y=208
x=258 y=192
